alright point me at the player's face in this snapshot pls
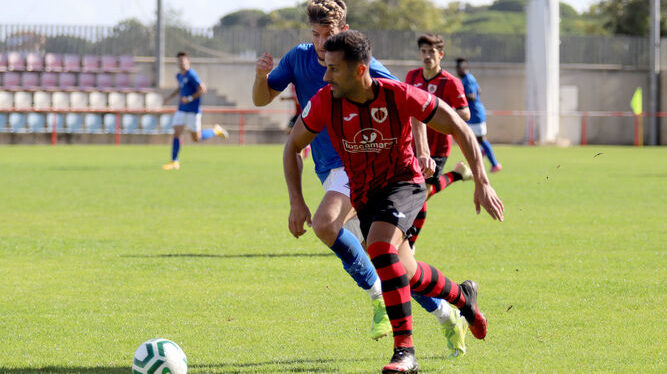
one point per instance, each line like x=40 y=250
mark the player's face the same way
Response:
x=339 y=74
x=320 y=35
x=430 y=56
x=183 y=63
x=461 y=69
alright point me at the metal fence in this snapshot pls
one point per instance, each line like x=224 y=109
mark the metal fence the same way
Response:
x=132 y=37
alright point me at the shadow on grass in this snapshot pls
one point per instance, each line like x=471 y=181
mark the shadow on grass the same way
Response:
x=241 y=255
x=68 y=370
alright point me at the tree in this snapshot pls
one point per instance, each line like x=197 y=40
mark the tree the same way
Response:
x=627 y=17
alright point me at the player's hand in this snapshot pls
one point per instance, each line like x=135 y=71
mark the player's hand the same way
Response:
x=298 y=215
x=427 y=165
x=165 y=101
x=264 y=65
x=185 y=100
x=486 y=197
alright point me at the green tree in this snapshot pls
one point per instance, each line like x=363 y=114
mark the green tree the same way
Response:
x=627 y=17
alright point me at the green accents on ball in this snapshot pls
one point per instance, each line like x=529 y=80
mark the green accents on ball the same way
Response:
x=149 y=356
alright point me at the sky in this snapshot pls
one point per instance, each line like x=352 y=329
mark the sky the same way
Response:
x=198 y=13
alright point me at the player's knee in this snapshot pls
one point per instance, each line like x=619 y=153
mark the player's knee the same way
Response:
x=325 y=228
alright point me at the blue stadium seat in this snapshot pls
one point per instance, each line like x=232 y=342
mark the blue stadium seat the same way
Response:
x=165 y=124
x=109 y=121
x=17 y=122
x=74 y=122
x=149 y=124
x=3 y=122
x=60 y=122
x=93 y=122
x=36 y=122
x=130 y=123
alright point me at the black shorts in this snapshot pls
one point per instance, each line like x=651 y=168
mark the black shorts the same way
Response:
x=439 y=165
x=398 y=204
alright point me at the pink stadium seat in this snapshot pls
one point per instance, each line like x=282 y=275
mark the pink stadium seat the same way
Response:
x=30 y=81
x=71 y=62
x=3 y=62
x=104 y=81
x=11 y=80
x=15 y=61
x=126 y=63
x=90 y=63
x=122 y=81
x=34 y=62
x=66 y=81
x=87 y=81
x=142 y=82
x=49 y=81
x=109 y=63
x=53 y=62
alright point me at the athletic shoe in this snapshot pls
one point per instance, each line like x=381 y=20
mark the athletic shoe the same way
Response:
x=497 y=168
x=381 y=326
x=476 y=320
x=219 y=131
x=403 y=361
x=464 y=170
x=173 y=165
x=455 y=333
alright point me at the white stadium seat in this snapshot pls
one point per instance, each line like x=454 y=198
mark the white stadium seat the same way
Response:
x=97 y=100
x=60 y=100
x=134 y=101
x=78 y=100
x=116 y=100
x=153 y=101
x=22 y=100
x=41 y=100
x=6 y=100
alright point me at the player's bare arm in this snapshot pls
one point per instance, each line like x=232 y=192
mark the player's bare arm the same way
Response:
x=447 y=121
x=464 y=113
x=422 y=152
x=201 y=90
x=173 y=94
x=262 y=94
x=298 y=139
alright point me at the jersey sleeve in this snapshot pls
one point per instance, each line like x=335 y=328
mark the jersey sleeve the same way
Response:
x=378 y=70
x=194 y=79
x=283 y=74
x=314 y=113
x=456 y=94
x=420 y=104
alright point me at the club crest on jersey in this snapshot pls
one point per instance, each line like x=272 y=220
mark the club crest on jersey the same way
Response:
x=368 y=140
x=432 y=87
x=306 y=110
x=379 y=114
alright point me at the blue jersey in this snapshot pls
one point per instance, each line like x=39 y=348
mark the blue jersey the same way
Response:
x=477 y=111
x=188 y=83
x=301 y=67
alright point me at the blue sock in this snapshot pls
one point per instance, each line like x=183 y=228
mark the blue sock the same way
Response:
x=355 y=261
x=489 y=152
x=207 y=134
x=428 y=303
x=175 y=147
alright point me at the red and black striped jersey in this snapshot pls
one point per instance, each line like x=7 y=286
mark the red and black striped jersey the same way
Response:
x=450 y=89
x=373 y=139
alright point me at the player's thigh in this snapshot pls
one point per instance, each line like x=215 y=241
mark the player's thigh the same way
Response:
x=333 y=210
x=178 y=130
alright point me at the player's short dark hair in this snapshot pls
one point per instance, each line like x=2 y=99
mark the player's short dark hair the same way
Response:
x=354 y=44
x=431 y=39
x=460 y=61
x=182 y=54
x=327 y=12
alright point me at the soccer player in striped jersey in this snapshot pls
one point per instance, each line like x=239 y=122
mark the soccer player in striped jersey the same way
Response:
x=387 y=185
x=304 y=67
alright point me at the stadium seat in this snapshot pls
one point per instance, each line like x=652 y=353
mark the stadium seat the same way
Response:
x=17 y=122
x=36 y=122
x=78 y=100
x=22 y=100
x=116 y=100
x=53 y=62
x=34 y=62
x=86 y=81
x=97 y=100
x=60 y=122
x=41 y=100
x=71 y=62
x=90 y=63
x=153 y=101
x=93 y=122
x=74 y=122
x=67 y=81
x=122 y=82
x=166 y=124
x=6 y=100
x=49 y=81
x=130 y=123
x=3 y=122
x=3 y=62
x=109 y=64
x=11 y=80
x=109 y=121
x=134 y=101
x=126 y=63
x=60 y=100
x=104 y=81
x=15 y=61
x=29 y=81
x=141 y=82
x=149 y=124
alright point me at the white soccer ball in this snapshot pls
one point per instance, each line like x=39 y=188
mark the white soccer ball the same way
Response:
x=159 y=356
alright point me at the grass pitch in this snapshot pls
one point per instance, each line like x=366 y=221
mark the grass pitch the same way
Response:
x=101 y=250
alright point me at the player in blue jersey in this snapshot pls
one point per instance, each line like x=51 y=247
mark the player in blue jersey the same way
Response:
x=333 y=221
x=190 y=90
x=477 y=120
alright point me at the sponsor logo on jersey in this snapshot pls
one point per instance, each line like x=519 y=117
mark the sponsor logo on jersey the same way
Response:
x=398 y=214
x=368 y=140
x=306 y=110
x=379 y=114
x=349 y=117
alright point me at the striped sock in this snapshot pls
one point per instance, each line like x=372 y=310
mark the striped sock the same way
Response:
x=429 y=281
x=395 y=291
x=445 y=180
x=417 y=225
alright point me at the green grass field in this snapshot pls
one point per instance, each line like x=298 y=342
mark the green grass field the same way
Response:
x=101 y=250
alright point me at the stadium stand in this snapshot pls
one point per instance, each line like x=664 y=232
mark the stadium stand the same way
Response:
x=34 y=62
x=15 y=61
x=53 y=62
x=49 y=81
x=90 y=63
x=3 y=62
x=30 y=81
x=71 y=62
x=66 y=81
x=60 y=121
